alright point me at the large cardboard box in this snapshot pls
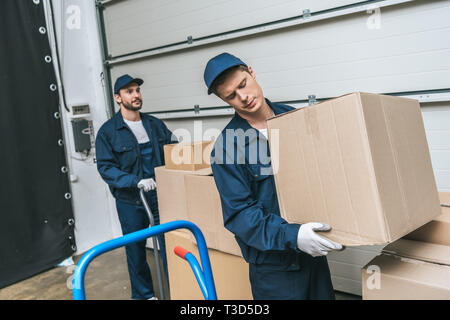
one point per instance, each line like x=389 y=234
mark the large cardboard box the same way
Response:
x=360 y=163
x=193 y=196
x=438 y=230
x=230 y=272
x=408 y=270
x=188 y=156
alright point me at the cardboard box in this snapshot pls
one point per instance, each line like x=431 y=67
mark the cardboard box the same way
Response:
x=193 y=196
x=438 y=230
x=360 y=163
x=230 y=272
x=188 y=156
x=408 y=270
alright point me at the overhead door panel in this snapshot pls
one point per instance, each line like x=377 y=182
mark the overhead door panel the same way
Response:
x=137 y=25
x=436 y=117
x=410 y=52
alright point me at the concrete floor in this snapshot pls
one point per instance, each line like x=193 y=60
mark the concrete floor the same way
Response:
x=106 y=279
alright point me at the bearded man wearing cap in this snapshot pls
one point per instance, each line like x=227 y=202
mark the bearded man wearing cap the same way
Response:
x=128 y=148
x=286 y=260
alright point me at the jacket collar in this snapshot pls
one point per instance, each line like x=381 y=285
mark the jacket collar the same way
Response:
x=239 y=122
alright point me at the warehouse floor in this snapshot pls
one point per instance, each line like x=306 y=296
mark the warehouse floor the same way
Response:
x=106 y=279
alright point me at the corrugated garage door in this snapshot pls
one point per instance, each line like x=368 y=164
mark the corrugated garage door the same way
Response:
x=141 y=24
x=331 y=57
x=332 y=48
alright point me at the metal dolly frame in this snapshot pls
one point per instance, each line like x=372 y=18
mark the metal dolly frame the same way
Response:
x=155 y=243
x=204 y=277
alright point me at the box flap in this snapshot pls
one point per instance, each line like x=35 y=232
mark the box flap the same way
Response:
x=438 y=230
x=350 y=240
x=445 y=198
x=200 y=172
x=203 y=172
x=391 y=277
x=444 y=217
x=424 y=251
x=313 y=105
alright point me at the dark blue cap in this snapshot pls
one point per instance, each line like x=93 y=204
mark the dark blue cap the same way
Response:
x=219 y=64
x=122 y=81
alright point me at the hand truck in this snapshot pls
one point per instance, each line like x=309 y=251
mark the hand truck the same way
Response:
x=204 y=276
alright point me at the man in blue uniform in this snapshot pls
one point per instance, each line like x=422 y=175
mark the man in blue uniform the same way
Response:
x=128 y=148
x=286 y=261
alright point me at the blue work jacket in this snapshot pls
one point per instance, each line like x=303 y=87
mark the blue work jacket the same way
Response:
x=248 y=195
x=118 y=154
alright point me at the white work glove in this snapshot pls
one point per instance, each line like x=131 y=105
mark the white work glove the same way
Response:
x=312 y=243
x=147 y=184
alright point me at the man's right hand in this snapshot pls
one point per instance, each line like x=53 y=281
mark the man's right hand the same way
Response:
x=310 y=242
x=147 y=184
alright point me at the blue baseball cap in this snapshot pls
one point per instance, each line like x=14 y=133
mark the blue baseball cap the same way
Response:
x=219 y=64
x=122 y=81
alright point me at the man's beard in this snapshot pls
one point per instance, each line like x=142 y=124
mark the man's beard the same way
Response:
x=129 y=106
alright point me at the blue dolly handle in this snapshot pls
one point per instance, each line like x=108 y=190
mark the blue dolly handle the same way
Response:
x=205 y=277
x=199 y=275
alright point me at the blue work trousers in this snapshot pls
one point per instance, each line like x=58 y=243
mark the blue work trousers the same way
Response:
x=310 y=280
x=133 y=218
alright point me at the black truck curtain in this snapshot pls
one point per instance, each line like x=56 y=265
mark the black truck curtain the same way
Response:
x=36 y=218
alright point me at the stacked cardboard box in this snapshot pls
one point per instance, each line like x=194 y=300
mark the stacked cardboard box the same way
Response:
x=414 y=267
x=230 y=272
x=187 y=191
x=188 y=156
x=193 y=196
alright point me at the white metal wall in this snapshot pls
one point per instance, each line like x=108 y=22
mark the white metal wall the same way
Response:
x=81 y=67
x=403 y=47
